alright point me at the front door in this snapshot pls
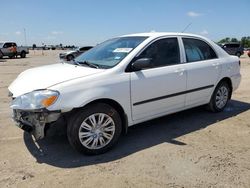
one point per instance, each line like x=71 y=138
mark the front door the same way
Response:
x=159 y=89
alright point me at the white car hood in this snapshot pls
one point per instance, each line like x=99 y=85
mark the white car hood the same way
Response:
x=68 y=52
x=49 y=75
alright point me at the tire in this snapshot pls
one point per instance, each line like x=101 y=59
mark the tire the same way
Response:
x=220 y=97
x=238 y=54
x=23 y=54
x=70 y=57
x=94 y=140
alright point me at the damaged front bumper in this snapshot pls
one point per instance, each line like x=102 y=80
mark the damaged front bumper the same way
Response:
x=34 y=121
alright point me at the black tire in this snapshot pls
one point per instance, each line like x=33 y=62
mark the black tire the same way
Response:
x=238 y=54
x=23 y=54
x=70 y=57
x=213 y=106
x=80 y=116
x=1 y=54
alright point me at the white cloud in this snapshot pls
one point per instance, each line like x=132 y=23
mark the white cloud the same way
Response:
x=49 y=37
x=193 y=14
x=18 y=32
x=56 y=32
x=204 y=32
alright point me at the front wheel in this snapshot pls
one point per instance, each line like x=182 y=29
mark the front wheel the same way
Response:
x=94 y=129
x=220 y=97
x=70 y=57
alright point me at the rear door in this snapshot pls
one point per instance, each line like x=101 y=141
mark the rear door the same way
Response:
x=158 y=90
x=203 y=69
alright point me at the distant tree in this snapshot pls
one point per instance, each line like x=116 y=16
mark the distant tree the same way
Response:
x=234 y=40
x=245 y=41
x=34 y=46
x=227 y=39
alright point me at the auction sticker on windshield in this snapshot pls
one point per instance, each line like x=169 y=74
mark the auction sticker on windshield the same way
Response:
x=123 y=50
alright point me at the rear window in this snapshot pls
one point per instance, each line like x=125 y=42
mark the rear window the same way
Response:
x=197 y=50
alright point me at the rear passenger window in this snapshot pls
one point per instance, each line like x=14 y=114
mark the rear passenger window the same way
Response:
x=197 y=50
x=163 y=52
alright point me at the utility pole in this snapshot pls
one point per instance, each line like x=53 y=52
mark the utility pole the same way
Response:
x=25 y=39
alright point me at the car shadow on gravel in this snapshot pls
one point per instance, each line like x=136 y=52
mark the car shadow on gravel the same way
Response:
x=55 y=150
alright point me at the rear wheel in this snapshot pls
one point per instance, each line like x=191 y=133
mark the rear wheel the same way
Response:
x=23 y=54
x=238 y=54
x=94 y=129
x=220 y=97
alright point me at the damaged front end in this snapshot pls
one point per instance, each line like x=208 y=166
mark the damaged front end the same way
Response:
x=34 y=121
x=30 y=111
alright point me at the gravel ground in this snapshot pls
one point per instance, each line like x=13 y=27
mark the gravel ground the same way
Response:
x=194 y=148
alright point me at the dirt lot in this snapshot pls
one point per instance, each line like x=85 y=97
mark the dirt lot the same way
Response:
x=194 y=148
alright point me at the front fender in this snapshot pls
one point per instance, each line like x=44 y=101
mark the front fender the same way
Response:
x=76 y=95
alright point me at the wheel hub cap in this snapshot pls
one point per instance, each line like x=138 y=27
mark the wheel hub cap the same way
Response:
x=96 y=131
x=221 y=97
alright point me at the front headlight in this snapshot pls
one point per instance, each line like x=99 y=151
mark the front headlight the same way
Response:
x=35 y=100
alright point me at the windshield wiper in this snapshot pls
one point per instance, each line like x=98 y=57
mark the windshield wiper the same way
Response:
x=86 y=63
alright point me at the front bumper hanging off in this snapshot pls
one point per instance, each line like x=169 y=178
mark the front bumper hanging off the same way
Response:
x=34 y=121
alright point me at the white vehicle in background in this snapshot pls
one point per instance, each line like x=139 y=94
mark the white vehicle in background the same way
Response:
x=5 y=48
x=122 y=82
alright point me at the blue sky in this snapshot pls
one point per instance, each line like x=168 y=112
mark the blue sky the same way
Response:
x=86 y=22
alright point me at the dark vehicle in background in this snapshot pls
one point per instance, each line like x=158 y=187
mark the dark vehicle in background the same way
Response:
x=1 y=54
x=5 y=48
x=69 y=55
x=233 y=48
x=248 y=52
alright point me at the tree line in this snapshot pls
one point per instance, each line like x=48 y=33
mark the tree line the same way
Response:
x=245 y=41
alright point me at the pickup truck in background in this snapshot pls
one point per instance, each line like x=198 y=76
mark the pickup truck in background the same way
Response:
x=5 y=48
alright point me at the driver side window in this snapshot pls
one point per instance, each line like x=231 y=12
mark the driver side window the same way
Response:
x=163 y=52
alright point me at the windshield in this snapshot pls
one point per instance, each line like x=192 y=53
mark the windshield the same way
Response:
x=1 y=45
x=111 y=52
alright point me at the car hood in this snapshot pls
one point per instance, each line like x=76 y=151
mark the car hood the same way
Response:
x=47 y=76
x=68 y=52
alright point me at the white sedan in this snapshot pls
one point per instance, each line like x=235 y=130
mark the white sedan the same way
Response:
x=121 y=82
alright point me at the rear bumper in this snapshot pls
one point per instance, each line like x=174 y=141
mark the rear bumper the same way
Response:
x=34 y=122
x=236 y=81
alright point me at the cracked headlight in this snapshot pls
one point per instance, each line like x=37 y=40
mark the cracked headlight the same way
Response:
x=35 y=100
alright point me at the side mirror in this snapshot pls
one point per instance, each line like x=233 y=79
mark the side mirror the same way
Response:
x=140 y=64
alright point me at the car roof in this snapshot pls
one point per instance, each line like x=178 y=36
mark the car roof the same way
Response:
x=161 y=34
x=230 y=43
x=6 y=42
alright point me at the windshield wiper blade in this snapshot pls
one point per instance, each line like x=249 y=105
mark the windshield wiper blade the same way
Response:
x=86 y=63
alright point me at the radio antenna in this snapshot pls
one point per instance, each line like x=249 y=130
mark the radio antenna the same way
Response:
x=186 y=27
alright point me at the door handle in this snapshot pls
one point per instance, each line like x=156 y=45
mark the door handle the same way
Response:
x=216 y=65
x=180 y=71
